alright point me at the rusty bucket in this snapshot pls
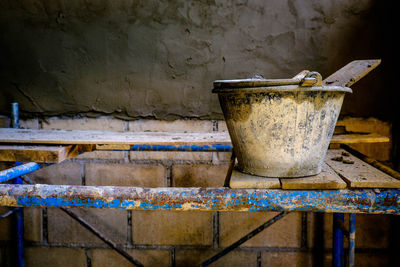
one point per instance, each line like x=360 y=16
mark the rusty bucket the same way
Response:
x=280 y=127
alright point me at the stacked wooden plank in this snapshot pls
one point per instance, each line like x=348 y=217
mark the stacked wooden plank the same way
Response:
x=340 y=170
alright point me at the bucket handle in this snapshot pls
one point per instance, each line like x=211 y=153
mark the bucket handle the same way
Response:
x=304 y=79
x=308 y=78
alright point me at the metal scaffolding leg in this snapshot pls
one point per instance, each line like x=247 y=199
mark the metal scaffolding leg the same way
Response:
x=19 y=213
x=352 y=238
x=338 y=235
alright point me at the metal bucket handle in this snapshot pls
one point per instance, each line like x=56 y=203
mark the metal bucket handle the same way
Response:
x=304 y=79
x=309 y=78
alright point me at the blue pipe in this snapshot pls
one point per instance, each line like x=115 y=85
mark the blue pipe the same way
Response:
x=15 y=115
x=17 y=171
x=215 y=147
x=352 y=238
x=19 y=213
x=338 y=218
x=206 y=199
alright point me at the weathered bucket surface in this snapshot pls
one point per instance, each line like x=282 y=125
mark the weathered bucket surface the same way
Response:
x=280 y=128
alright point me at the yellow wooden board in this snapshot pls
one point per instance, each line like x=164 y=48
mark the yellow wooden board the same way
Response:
x=39 y=154
x=359 y=138
x=357 y=173
x=243 y=180
x=327 y=179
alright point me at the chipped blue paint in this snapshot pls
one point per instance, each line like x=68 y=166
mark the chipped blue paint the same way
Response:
x=337 y=241
x=19 y=170
x=209 y=199
x=214 y=147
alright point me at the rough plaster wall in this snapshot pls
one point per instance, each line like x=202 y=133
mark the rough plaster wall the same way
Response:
x=159 y=58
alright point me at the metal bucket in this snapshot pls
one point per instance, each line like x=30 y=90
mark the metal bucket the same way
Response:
x=280 y=128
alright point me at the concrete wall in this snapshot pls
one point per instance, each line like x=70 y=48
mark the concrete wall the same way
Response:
x=158 y=59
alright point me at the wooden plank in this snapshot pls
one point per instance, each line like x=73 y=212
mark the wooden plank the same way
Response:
x=357 y=173
x=39 y=154
x=122 y=140
x=351 y=73
x=327 y=179
x=32 y=136
x=244 y=180
x=336 y=139
x=359 y=138
x=386 y=169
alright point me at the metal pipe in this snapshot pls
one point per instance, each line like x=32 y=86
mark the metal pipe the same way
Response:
x=20 y=238
x=230 y=170
x=207 y=199
x=352 y=238
x=342 y=227
x=106 y=240
x=245 y=238
x=9 y=212
x=17 y=171
x=215 y=147
x=337 y=240
x=14 y=115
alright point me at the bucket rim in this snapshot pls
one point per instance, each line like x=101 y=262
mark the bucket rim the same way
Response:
x=287 y=88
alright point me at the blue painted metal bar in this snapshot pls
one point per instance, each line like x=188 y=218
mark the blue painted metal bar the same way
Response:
x=20 y=238
x=8 y=213
x=17 y=171
x=352 y=238
x=15 y=115
x=207 y=199
x=193 y=148
x=338 y=218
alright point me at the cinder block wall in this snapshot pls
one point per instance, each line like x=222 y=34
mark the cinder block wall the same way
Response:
x=162 y=238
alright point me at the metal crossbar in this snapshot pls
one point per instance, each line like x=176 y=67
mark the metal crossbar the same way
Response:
x=245 y=238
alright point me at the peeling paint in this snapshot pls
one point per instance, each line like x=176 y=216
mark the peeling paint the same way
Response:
x=203 y=199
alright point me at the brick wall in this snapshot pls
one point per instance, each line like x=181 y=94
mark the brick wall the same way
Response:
x=161 y=238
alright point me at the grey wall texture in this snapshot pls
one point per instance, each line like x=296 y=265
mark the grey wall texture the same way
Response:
x=158 y=59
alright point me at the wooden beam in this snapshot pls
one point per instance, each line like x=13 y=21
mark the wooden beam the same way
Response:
x=104 y=140
x=327 y=179
x=37 y=153
x=359 y=138
x=351 y=73
x=358 y=174
x=32 y=136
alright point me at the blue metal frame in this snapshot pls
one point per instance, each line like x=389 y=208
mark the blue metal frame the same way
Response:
x=192 y=148
x=19 y=213
x=352 y=238
x=20 y=169
x=205 y=199
x=338 y=219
